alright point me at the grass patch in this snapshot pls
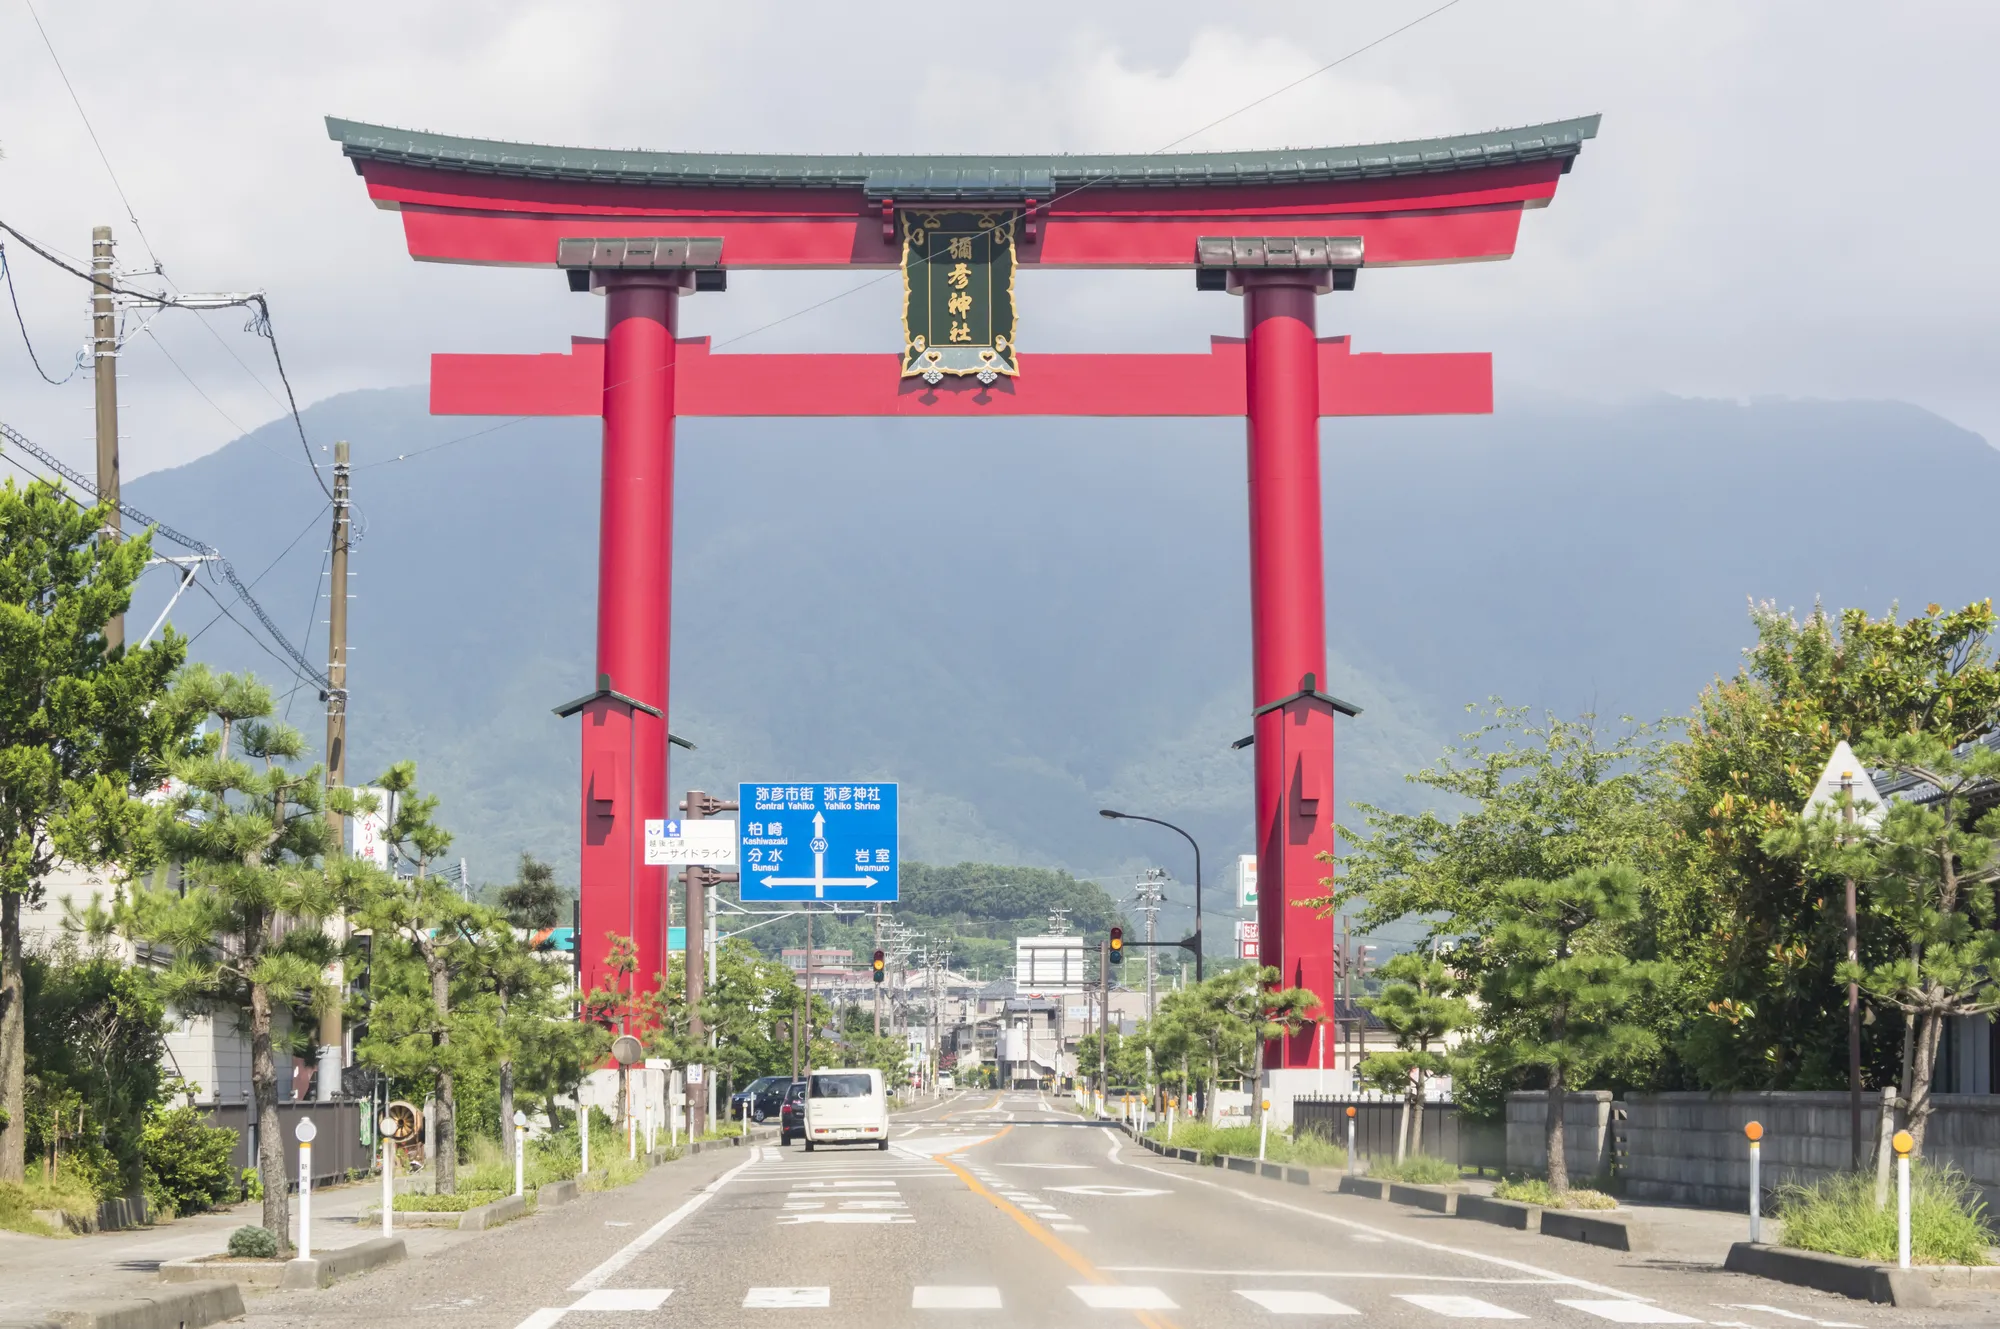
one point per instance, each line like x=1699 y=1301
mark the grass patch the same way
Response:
x=444 y=1204
x=620 y=1172
x=1282 y=1147
x=1534 y=1190
x=67 y=1193
x=1415 y=1170
x=1837 y=1216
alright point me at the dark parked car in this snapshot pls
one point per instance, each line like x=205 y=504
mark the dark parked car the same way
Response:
x=792 y=1114
x=755 y=1094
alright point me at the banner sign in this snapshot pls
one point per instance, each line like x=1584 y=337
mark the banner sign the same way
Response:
x=1246 y=880
x=671 y=842
x=958 y=294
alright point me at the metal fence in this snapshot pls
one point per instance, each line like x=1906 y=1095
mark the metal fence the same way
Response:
x=1447 y=1132
x=338 y=1149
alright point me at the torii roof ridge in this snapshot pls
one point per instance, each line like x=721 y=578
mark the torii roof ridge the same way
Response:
x=964 y=175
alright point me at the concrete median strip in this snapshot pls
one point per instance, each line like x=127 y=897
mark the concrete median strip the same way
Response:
x=1617 y=1234
x=555 y=1193
x=1859 y=1279
x=484 y=1216
x=1501 y=1213
x=186 y=1306
x=323 y=1269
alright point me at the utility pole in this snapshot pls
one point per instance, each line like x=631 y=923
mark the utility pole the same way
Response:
x=695 y=806
x=331 y=1043
x=104 y=369
x=1103 y=1021
x=1151 y=894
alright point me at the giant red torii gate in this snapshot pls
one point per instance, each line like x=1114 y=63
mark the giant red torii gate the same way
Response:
x=1277 y=228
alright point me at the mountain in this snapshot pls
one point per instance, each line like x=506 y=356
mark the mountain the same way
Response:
x=1026 y=620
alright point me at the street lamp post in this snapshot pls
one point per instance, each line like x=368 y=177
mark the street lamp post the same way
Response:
x=1113 y=815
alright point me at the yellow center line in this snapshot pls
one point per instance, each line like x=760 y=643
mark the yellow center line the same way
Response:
x=1061 y=1249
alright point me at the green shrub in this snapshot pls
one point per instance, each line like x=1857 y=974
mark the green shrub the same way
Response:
x=1837 y=1216
x=252 y=1184
x=188 y=1166
x=253 y=1243
x=1415 y=1170
x=446 y=1204
x=1534 y=1190
x=1241 y=1141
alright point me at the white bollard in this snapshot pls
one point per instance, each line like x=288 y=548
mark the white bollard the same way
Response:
x=583 y=1133
x=1902 y=1143
x=1754 y=1132
x=1350 y=1140
x=520 y=1151
x=1263 y=1129
x=388 y=1125
x=306 y=1131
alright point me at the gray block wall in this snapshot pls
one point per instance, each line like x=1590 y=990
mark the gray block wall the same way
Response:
x=1586 y=1132
x=1690 y=1148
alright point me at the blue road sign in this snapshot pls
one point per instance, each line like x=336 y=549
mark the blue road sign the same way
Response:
x=821 y=841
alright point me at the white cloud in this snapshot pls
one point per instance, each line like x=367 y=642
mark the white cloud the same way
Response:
x=1785 y=199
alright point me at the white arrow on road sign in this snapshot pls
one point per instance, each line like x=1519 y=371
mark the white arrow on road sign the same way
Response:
x=819 y=881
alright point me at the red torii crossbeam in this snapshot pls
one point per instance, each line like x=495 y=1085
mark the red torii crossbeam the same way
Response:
x=507 y=204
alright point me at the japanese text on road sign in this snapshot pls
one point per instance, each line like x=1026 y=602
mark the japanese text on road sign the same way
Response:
x=822 y=841
x=687 y=843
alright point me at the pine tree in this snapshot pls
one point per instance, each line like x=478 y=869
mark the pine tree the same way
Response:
x=1417 y=1005
x=244 y=924
x=80 y=731
x=419 y=1028
x=1559 y=988
x=1932 y=882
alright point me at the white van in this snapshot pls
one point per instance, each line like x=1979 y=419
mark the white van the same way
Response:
x=847 y=1107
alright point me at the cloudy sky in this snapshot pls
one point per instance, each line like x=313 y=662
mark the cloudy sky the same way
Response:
x=1786 y=199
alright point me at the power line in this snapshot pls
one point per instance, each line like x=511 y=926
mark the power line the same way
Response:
x=13 y=296
x=272 y=564
x=75 y=477
x=260 y=324
x=131 y=215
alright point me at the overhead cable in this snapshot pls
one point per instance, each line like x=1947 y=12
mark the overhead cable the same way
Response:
x=78 y=479
x=7 y=275
x=260 y=324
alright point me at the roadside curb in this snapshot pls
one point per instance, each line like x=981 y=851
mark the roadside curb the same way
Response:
x=1859 y=1279
x=187 y=1306
x=1501 y=1213
x=481 y=1217
x=1296 y=1176
x=321 y=1270
x=557 y=1192
x=1368 y=1188
x=1617 y=1234
x=1437 y=1199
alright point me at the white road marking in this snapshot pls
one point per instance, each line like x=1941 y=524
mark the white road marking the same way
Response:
x=1101 y=1298
x=1460 y=1308
x=1545 y=1275
x=623 y=1299
x=1069 y=1227
x=786 y=1298
x=1051 y=1167
x=1628 y=1312
x=1328 y=1273
x=955 y=1299
x=634 y=1248
x=1109 y=1192
x=1785 y=1314
x=1291 y=1301
x=544 y=1318
x=792 y=1220
x=1363 y=1236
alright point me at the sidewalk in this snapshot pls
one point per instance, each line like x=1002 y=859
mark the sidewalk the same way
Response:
x=1679 y=1235
x=38 y=1273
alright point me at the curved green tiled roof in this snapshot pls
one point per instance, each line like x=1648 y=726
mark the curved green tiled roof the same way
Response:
x=961 y=176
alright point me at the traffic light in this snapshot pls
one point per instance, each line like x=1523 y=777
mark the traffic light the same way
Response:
x=880 y=965
x=1117 y=945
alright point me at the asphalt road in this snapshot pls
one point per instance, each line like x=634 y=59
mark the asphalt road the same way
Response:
x=1008 y=1211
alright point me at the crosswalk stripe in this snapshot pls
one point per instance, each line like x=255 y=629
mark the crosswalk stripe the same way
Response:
x=623 y=1299
x=1459 y=1308
x=1628 y=1312
x=1292 y=1301
x=786 y=1298
x=955 y=1299
x=1112 y=1298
